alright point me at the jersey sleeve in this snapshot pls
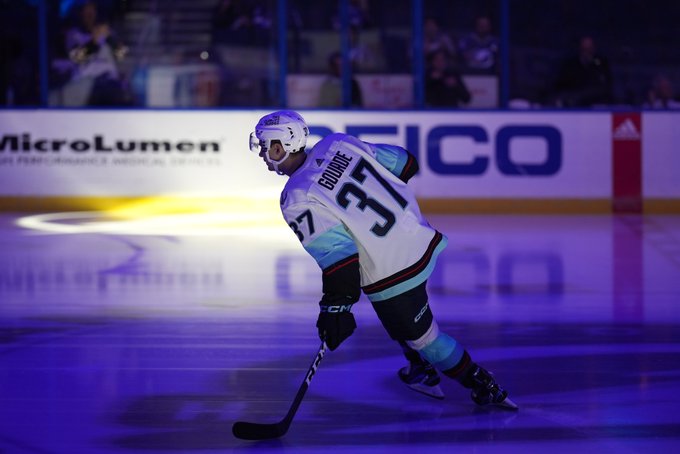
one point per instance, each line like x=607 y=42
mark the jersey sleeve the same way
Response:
x=396 y=159
x=327 y=240
x=322 y=235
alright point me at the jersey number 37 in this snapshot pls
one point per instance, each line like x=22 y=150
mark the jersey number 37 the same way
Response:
x=363 y=200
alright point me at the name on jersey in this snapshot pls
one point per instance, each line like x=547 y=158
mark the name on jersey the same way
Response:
x=334 y=170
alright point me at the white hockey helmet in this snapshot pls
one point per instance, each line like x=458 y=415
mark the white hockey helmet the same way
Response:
x=285 y=126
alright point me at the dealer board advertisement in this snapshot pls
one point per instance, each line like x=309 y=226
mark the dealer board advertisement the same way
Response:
x=126 y=153
x=661 y=155
x=205 y=153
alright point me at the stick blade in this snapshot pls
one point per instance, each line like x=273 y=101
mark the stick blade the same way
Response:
x=254 y=431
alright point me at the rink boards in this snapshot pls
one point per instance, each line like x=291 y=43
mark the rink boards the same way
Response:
x=469 y=161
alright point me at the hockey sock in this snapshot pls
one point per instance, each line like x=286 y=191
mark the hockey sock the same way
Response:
x=461 y=371
x=411 y=355
x=439 y=349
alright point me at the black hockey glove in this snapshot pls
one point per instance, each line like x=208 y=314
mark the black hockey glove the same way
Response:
x=335 y=324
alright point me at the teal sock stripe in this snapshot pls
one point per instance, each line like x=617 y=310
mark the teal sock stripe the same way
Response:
x=443 y=352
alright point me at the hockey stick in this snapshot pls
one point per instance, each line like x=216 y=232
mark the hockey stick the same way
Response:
x=256 y=431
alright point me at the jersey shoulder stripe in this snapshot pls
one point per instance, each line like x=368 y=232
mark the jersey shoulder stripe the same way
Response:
x=396 y=159
x=391 y=157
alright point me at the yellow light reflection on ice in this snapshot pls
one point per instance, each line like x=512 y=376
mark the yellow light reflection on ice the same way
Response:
x=256 y=215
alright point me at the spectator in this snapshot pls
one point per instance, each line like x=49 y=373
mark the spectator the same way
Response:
x=661 y=95
x=10 y=51
x=231 y=22
x=19 y=74
x=331 y=88
x=434 y=39
x=480 y=48
x=95 y=52
x=444 y=87
x=584 y=79
x=242 y=22
x=359 y=15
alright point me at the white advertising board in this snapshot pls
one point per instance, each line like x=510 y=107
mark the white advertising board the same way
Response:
x=128 y=153
x=205 y=153
x=493 y=154
x=661 y=155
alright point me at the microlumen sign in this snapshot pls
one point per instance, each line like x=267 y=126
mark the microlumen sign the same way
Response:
x=25 y=143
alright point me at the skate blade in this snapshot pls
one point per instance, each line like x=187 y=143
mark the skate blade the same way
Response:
x=507 y=404
x=431 y=391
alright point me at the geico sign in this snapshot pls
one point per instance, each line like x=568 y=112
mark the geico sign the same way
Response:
x=478 y=134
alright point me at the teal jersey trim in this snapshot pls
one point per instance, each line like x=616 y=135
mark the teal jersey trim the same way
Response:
x=391 y=157
x=331 y=246
x=414 y=281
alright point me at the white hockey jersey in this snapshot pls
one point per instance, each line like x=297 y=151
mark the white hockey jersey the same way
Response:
x=347 y=199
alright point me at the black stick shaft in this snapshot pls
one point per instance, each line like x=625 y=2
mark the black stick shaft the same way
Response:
x=255 y=431
x=305 y=384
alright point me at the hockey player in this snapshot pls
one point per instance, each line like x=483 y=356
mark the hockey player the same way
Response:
x=348 y=203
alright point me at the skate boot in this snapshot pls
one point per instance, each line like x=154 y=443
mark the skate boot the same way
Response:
x=485 y=390
x=422 y=377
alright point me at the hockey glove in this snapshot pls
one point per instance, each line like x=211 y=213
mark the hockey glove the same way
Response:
x=335 y=324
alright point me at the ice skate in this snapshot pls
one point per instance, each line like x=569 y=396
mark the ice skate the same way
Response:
x=422 y=378
x=485 y=391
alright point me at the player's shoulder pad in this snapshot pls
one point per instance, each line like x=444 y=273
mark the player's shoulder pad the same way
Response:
x=356 y=143
x=332 y=142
